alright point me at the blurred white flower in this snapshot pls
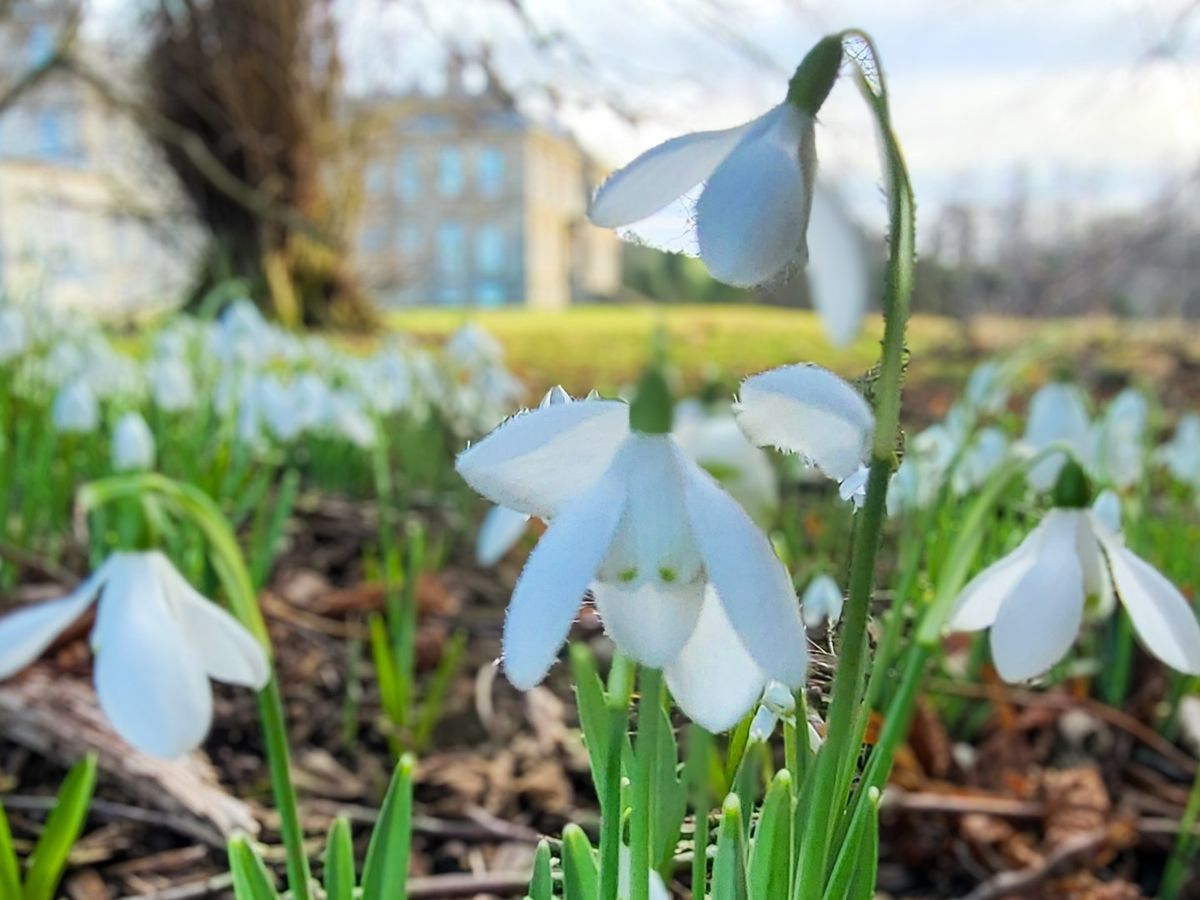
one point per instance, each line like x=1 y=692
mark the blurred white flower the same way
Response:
x=133 y=446
x=986 y=392
x=1057 y=414
x=986 y=453
x=76 y=409
x=1181 y=454
x=1033 y=600
x=14 y=335
x=807 y=410
x=760 y=213
x=172 y=386
x=347 y=419
x=157 y=643
x=675 y=565
x=473 y=348
x=821 y=602
x=1118 y=440
x=718 y=445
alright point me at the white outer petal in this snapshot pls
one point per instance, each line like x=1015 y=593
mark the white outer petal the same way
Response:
x=822 y=601
x=151 y=684
x=538 y=460
x=1040 y=618
x=1057 y=412
x=26 y=633
x=498 y=533
x=977 y=605
x=546 y=598
x=713 y=679
x=663 y=174
x=839 y=273
x=752 y=216
x=753 y=586
x=1162 y=617
x=226 y=649
x=808 y=410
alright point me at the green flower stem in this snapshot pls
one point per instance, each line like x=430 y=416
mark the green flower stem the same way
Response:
x=610 y=803
x=645 y=758
x=195 y=506
x=1178 y=866
x=827 y=803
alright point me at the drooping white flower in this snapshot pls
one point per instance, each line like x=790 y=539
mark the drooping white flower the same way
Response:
x=760 y=213
x=984 y=455
x=1033 y=600
x=133 y=447
x=779 y=705
x=853 y=488
x=1181 y=454
x=76 y=409
x=14 y=335
x=471 y=347
x=821 y=602
x=986 y=392
x=172 y=385
x=157 y=642
x=346 y=418
x=1057 y=414
x=807 y=410
x=1117 y=451
x=673 y=561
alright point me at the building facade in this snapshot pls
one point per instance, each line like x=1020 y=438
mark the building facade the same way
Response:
x=469 y=203
x=85 y=204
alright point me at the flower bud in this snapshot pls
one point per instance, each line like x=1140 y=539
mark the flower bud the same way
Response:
x=816 y=74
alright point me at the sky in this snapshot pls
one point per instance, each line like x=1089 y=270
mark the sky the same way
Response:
x=1092 y=105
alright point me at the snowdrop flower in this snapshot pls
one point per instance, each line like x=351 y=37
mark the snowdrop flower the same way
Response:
x=172 y=386
x=1107 y=508
x=1117 y=451
x=807 y=410
x=986 y=392
x=14 y=336
x=760 y=212
x=132 y=444
x=1033 y=600
x=779 y=705
x=157 y=642
x=347 y=419
x=986 y=453
x=853 y=488
x=822 y=602
x=472 y=348
x=681 y=577
x=76 y=409
x=1057 y=414
x=1181 y=454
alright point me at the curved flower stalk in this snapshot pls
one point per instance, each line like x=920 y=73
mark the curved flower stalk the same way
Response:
x=157 y=643
x=133 y=447
x=761 y=213
x=1181 y=455
x=674 y=564
x=1034 y=600
x=807 y=410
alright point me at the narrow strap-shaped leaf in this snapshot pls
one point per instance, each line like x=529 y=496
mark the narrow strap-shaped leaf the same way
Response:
x=729 y=868
x=10 y=870
x=770 y=853
x=62 y=829
x=541 y=886
x=594 y=717
x=853 y=878
x=671 y=804
x=251 y=880
x=339 y=861
x=385 y=872
x=581 y=876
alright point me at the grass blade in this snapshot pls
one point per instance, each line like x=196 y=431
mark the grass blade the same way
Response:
x=62 y=829
x=339 y=862
x=251 y=880
x=385 y=872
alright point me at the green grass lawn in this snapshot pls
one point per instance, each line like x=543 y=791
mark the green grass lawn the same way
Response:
x=606 y=346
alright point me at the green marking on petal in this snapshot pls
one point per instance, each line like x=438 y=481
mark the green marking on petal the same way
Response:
x=627 y=575
x=667 y=574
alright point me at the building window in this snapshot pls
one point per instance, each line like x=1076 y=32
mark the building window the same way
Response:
x=40 y=45
x=52 y=135
x=411 y=246
x=489 y=172
x=450 y=172
x=490 y=293
x=489 y=249
x=451 y=295
x=451 y=249
x=377 y=182
x=408 y=176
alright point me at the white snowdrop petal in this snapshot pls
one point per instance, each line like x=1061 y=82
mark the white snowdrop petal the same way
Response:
x=713 y=679
x=808 y=410
x=151 y=684
x=26 y=633
x=763 y=725
x=1162 y=617
x=498 y=533
x=662 y=174
x=1040 y=618
x=650 y=621
x=839 y=273
x=754 y=588
x=1107 y=508
x=547 y=596
x=752 y=215
x=226 y=649
x=980 y=600
x=822 y=601
x=1057 y=413
x=537 y=460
